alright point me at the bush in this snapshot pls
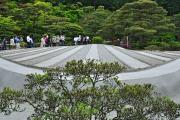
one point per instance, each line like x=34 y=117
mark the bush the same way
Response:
x=23 y=44
x=167 y=37
x=137 y=45
x=37 y=44
x=174 y=45
x=152 y=47
x=97 y=40
x=164 y=46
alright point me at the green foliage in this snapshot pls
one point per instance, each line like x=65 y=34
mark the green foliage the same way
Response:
x=142 y=20
x=7 y=26
x=9 y=100
x=176 y=21
x=152 y=47
x=168 y=37
x=174 y=45
x=92 y=22
x=74 y=15
x=97 y=40
x=156 y=45
x=172 y=6
x=23 y=44
x=84 y=90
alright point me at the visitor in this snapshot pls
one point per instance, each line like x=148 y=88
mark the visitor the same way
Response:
x=17 y=42
x=4 y=44
x=12 y=43
x=43 y=43
x=53 y=40
x=47 y=42
x=29 y=41
x=88 y=40
x=62 y=39
x=83 y=40
x=76 y=39
x=80 y=39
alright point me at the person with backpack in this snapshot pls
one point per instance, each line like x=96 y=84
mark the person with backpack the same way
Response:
x=17 y=42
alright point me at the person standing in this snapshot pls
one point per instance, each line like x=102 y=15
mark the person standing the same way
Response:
x=87 y=40
x=62 y=39
x=43 y=43
x=17 y=42
x=29 y=41
x=12 y=43
x=80 y=39
x=4 y=44
x=47 y=42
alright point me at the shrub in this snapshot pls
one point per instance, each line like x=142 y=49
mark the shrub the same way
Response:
x=97 y=40
x=37 y=44
x=152 y=47
x=174 y=45
x=164 y=46
x=167 y=37
x=23 y=44
x=137 y=45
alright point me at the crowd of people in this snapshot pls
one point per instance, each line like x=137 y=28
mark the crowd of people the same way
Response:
x=46 y=41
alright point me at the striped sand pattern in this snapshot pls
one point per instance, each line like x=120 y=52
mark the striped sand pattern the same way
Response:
x=148 y=60
x=54 y=60
x=170 y=53
x=58 y=56
x=154 y=56
x=24 y=52
x=93 y=53
x=12 y=51
x=37 y=55
x=129 y=61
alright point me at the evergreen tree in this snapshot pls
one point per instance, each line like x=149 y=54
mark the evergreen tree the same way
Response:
x=141 y=20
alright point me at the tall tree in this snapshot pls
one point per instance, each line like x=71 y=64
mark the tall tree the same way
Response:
x=8 y=27
x=3 y=6
x=172 y=6
x=176 y=20
x=141 y=20
x=93 y=21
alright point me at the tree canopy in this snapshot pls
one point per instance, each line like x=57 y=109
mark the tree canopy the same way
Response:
x=108 y=19
x=142 y=19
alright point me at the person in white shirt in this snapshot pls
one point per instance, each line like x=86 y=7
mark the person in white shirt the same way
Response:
x=12 y=43
x=87 y=40
x=62 y=40
x=76 y=39
x=29 y=41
